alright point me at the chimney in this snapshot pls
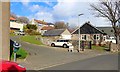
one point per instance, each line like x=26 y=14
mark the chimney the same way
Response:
x=88 y=22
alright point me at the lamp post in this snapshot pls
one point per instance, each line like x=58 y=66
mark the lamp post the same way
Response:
x=79 y=31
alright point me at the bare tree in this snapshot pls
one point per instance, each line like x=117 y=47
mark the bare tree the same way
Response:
x=60 y=25
x=13 y=15
x=111 y=11
x=23 y=20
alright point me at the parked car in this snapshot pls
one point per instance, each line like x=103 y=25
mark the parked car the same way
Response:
x=62 y=42
x=8 y=66
x=111 y=39
x=19 y=33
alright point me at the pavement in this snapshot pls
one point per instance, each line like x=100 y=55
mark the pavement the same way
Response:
x=43 y=57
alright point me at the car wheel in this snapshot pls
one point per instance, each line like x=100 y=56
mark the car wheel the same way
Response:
x=52 y=44
x=65 y=46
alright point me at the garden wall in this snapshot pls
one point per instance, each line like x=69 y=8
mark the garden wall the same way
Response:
x=114 y=47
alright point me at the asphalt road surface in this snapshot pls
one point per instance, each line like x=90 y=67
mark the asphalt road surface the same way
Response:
x=104 y=62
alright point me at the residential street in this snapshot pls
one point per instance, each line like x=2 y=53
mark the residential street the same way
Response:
x=104 y=62
x=44 y=57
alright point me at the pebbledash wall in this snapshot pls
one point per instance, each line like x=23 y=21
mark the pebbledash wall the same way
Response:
x=4 y=30
x=115 y=47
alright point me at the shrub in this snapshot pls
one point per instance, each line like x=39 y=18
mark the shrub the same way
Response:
x=33 y=27
x=31 y=32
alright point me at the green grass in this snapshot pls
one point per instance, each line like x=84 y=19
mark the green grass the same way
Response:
x=31 y=39
x=11 y=34
x=21 y=54
x=100 y=48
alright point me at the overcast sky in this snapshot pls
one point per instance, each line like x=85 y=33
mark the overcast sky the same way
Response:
x=58 y=10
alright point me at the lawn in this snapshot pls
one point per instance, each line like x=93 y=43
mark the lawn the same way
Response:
x=21 y=54
x=31 y=39
x=100 y=48
x=12 y=34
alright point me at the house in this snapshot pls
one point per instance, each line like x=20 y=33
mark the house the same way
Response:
x=14 y=25
x=46 y=28
x=41 y=25
x=88 y=33
x=50 y=24
x=108 y=31
x=58 y=34
x=12 y=19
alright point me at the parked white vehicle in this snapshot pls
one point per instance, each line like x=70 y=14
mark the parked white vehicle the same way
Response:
x=63 y=43
x=19 y=33
x=111 y=39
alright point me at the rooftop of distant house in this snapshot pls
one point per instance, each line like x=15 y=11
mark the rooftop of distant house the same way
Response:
x=47 y=28
x=40 y=22
x=11 y=18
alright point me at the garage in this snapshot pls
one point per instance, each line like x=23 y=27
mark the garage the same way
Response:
x=66 y=36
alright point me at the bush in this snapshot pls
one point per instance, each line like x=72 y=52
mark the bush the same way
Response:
x=34 y=33
x=33 y=27
x=31 y=32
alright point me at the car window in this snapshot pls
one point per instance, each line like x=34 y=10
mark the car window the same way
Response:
x=57 y=40
x=61 y=40
x=67 y=40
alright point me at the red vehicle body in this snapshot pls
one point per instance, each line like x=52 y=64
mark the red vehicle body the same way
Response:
x=8 y=66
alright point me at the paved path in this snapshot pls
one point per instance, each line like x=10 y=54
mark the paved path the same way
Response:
x=41 y=57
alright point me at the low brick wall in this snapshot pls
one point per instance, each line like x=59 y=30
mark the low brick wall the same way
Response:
x=114 y=47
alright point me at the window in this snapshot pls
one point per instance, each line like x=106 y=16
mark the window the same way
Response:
x=61 y=40
x=84 y=37
x=96 y=37
x=119 y=37
x=58 y=41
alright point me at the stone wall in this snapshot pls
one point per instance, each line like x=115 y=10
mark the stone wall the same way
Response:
x=48 y=40
x=114 y=47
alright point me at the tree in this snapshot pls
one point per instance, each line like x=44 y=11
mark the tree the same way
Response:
x=13 y=15
x=23 y=20
x=32 y=27
x=60 y=25
x=111 y=11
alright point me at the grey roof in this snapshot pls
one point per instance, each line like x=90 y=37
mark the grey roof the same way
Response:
x=108 y=30
x=87 y=28
x=54 y=32
x=50 y=24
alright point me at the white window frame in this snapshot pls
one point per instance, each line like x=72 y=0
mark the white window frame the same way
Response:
x=83 y=37
x=97 y=37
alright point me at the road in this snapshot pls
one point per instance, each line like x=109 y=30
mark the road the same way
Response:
x=104 y=62
x=43 y=57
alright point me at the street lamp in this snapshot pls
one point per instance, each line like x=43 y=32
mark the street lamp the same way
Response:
x=79 y=31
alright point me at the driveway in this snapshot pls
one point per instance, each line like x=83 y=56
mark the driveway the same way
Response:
x=42 y=57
